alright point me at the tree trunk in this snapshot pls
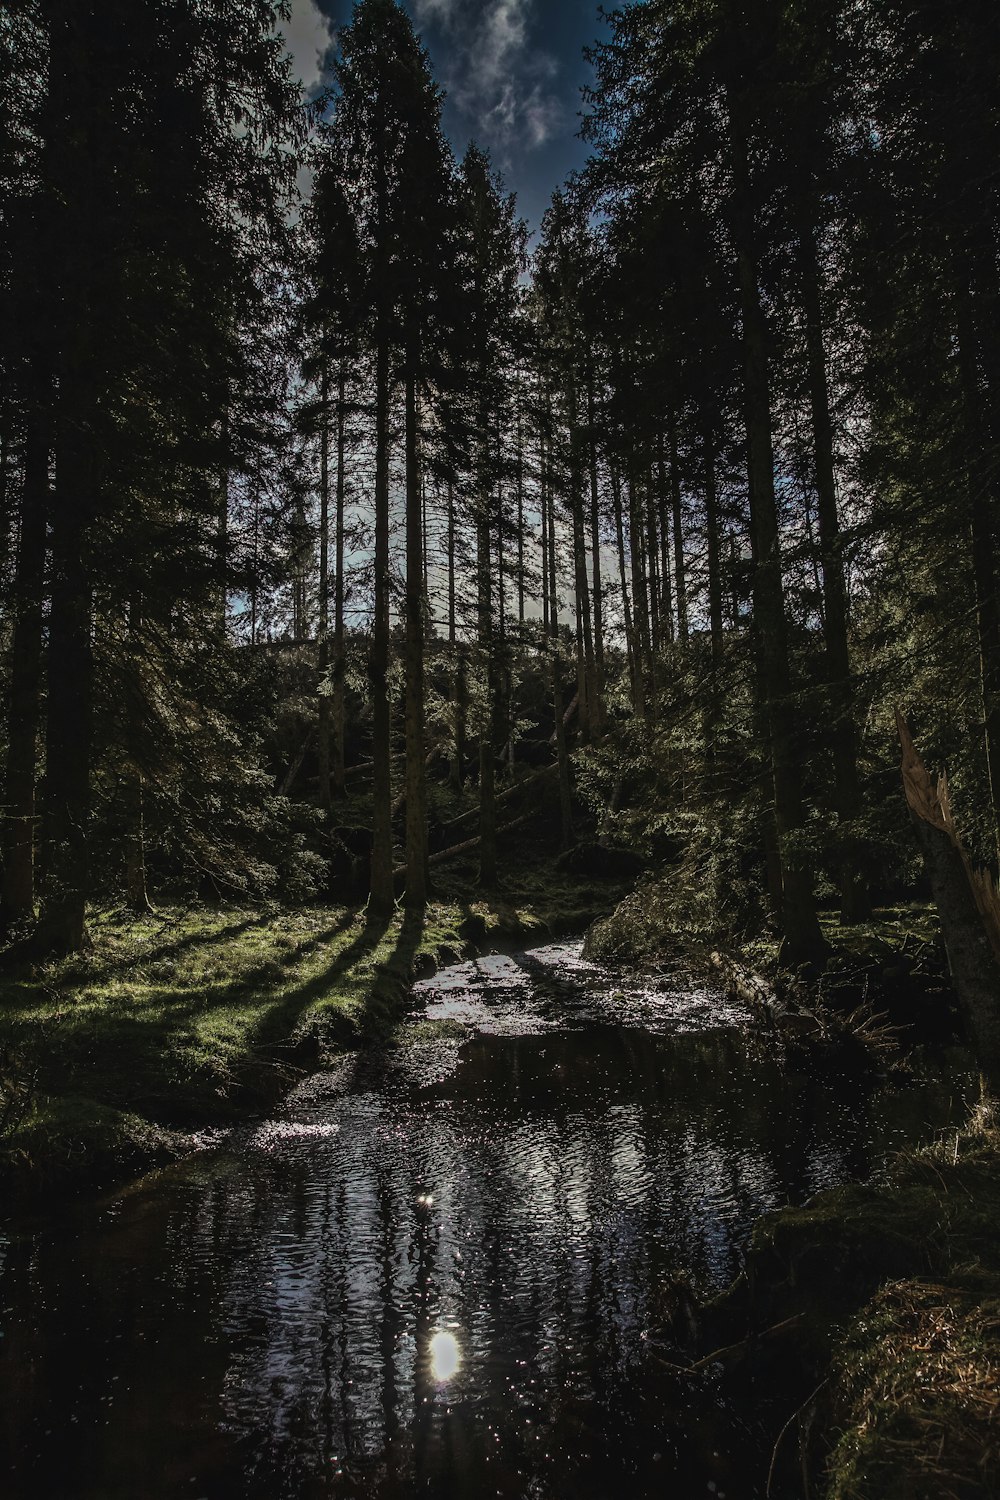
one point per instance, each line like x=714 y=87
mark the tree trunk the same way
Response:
x=255 y=567
x=487 y=762
x=136 y=889
x=658 y=627
x=640 y=603
x=595 y=545
x=503 y=720
x=487 y=648
x=323 y=627
x=855 y=905
x=714 y=713
x=586 y=673
x=222 y=532
x=339 y=787
x=6 y=517
x=562 y=753
x=416 y=788
x=713 y=550
x=544 y=481
x=66 y=866
x=803 y=940
x=17 y=903
x=616 y=497
x=457 y=659
x=520 y=521
x=461 y=710
x=663 y=506
x=380 y=902
x=678 y=530
x=72 y=154
x=592 y=677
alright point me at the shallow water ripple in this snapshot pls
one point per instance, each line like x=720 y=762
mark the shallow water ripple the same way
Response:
x=432 y=1274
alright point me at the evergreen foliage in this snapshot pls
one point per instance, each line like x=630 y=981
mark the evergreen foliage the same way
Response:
x=316 y=512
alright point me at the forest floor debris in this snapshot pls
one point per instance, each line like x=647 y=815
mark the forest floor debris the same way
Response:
x=890 y=973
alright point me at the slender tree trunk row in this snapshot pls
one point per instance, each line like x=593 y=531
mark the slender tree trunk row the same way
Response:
x=558 y=709
x=843 y=733
x=802 y=936
x=416 y=790
x=381 y=898
x=18 y=898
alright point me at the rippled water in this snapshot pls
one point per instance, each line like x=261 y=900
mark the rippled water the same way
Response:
x=431 y=1276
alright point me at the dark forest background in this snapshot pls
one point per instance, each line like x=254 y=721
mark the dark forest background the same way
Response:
x=327 y=510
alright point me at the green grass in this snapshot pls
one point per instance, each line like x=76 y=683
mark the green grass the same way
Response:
x=899 y=945
x=918 y=1382
x=199 y=1016
x=185 y=1019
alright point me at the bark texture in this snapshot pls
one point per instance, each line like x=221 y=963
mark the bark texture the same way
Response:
x=803 y=941
x=416 y=785
x=967 y=903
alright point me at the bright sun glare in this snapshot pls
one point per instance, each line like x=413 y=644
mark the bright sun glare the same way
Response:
x=444 y=1356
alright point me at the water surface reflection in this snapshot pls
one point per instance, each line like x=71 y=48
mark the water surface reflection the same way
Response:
x=432 y=1276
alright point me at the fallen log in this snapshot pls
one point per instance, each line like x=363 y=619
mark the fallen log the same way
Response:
x=443 y=855
x=296 y=766
x=364 y=768
x=967 y=904
x=517 y=786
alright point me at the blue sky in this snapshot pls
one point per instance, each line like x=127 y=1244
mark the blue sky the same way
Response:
x=511 y=69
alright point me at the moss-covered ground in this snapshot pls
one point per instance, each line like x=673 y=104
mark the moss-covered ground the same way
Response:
x=914 y=1403
x=675 y=909
x=199 y=1016
x=887 y=1296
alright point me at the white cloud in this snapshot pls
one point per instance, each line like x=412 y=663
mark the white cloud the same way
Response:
x=543 y=114
x=309 y=34
x=436 y=10
x=496 y=75
x=504 y=30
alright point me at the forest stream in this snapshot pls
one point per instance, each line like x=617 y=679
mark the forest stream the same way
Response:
x=436 y=1270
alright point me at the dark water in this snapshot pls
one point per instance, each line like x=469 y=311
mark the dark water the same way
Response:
x=431 y=1276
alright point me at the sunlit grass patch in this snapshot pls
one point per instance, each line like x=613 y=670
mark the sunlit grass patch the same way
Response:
x=184 y=1018
x=198 y=1015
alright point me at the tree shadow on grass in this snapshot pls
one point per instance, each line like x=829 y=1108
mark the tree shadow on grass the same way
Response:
x=132 y=1056
x=157 y=1056
x=344 y=960
x=395 y=975
x=23 y=976
x=203 y=937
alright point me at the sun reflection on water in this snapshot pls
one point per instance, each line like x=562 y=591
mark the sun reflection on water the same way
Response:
x=444 y=1356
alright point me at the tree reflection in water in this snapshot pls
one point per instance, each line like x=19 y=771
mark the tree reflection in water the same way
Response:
x=446 y=1293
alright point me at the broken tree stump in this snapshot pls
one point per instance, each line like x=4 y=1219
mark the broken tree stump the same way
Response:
x=967 y=904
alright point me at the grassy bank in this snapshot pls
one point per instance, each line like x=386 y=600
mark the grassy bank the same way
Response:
x=881 y=1304
x=914 y=1405
x=200 y=1016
